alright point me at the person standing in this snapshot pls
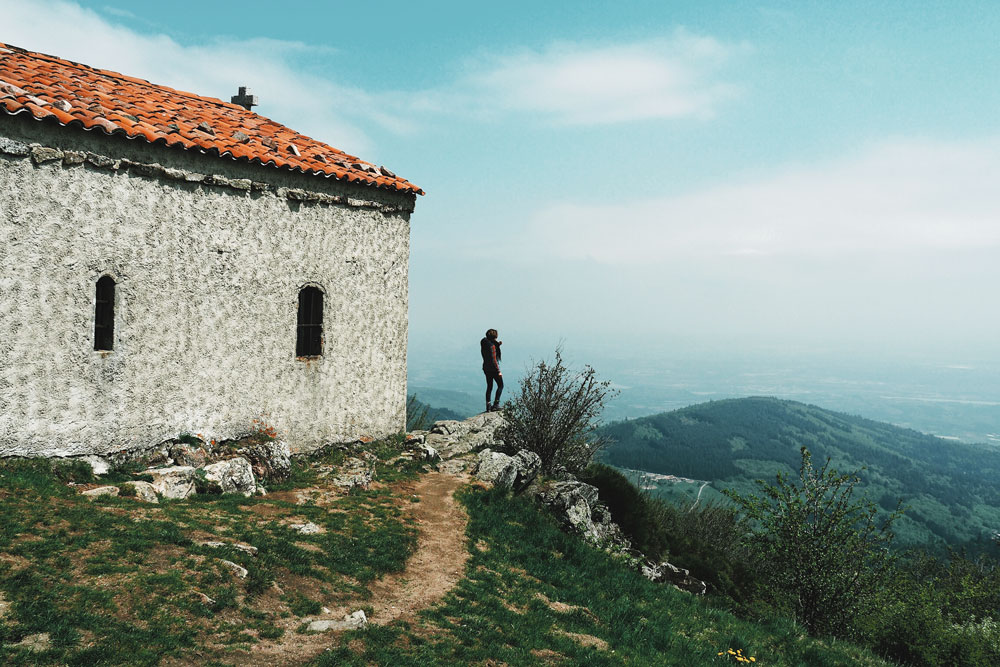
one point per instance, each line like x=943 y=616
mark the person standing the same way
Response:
x=490 y=348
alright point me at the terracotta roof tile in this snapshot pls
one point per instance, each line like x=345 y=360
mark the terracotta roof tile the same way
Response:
x=73 y=94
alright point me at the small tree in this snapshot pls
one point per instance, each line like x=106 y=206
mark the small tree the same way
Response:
x=822 y=554
x=554 y=415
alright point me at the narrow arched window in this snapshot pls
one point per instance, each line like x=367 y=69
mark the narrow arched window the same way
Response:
x=309 y=341
x=104 y=314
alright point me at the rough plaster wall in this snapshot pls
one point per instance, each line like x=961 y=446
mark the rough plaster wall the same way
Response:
x=206 y=298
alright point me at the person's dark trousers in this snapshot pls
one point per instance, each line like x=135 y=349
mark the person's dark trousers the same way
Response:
x=491 y=377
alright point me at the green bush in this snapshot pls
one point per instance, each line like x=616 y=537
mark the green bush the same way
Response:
x=554 y=414
x=822 y=554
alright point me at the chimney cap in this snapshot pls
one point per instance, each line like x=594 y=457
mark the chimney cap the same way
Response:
x=245 y=98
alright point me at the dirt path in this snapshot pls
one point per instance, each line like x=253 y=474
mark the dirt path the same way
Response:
x=434 y=569
x=439 y=561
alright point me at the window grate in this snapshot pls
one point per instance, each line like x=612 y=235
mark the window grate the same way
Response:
x=309 y=341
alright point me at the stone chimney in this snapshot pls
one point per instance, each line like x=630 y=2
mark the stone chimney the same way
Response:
x=245 y=98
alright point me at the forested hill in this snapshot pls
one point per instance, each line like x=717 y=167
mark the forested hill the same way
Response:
x=952 y=488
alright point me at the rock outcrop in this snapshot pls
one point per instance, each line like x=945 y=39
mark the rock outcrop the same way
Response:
x=271 y=460
x=507 y=472
x=231 y=476
x=174 y=482
x=679 y=577
x=575 y=504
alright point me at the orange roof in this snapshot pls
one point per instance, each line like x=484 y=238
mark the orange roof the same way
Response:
x=73 y=94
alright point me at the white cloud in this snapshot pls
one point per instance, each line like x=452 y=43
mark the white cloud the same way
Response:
x=898 y=197
x=584 y=84
x=330 y=112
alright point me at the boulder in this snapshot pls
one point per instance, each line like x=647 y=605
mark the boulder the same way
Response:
x=232 y=476
x=679 y=577
x=496 y=468
x=144 y=491
x=354 y=621
x=101 y=491
x=270 y=460
x=508 y=472
x=174 y=482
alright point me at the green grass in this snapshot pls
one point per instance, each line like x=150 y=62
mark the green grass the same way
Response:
x=496 y=615
x=117 y=581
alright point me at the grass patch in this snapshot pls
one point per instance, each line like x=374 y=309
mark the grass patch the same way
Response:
x=118 y=581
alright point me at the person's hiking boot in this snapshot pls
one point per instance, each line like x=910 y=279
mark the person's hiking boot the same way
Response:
x=493 y=408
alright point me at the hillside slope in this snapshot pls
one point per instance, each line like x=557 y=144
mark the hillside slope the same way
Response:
x=447 y=578
x=951 y=488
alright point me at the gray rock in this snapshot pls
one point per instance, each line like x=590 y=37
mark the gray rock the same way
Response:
x=354 y=621
x=679 y=577
x=73 y=157
x=4 y=607
x=11 y=147
x=427 y=453
x=448 y=446
x=455 y=466
x=144 y=491
x=102 y=161
x=98 y=465
x=101 y=491
x=529 y=464
x=308 y=528
x=508 y=472
x=496 y=468
x=270 y=460
x=575 y=505
x=175 y=482
x=238 y=570
x=232 y=476
x=40 y=154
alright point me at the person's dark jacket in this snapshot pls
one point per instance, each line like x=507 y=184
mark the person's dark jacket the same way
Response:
x=491 y=355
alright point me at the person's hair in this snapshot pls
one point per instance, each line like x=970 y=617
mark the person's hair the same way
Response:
x=491 y=333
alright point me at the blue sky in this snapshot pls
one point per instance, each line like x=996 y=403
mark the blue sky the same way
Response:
x=792 y=175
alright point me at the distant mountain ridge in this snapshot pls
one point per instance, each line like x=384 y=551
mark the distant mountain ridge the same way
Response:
x=952 y=488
